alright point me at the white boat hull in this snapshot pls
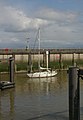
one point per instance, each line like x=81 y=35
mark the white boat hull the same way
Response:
x=42 y=74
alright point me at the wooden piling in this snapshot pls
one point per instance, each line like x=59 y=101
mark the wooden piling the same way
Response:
x=73 y=59
x=74 y=95
x=11 y=62
x=29 y=63
x=47 y=53
x=60 y=61
x=44 y=59
x=49 y=59
x=13 y=56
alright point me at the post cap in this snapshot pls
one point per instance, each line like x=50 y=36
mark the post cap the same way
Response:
x=11 y=58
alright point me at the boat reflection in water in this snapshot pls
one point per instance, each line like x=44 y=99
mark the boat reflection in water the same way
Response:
x=44 y=85
x=35 y=99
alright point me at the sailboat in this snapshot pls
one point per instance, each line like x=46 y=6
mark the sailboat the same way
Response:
x=43 y=72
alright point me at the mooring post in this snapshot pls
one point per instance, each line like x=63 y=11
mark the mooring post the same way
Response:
x=49 y=59
x=29 y=63
x=73 y=59
x=44 y=59
x=11 y=63
x=60 y=61
x=74 y=94
x=13 y=56
x=47 y=53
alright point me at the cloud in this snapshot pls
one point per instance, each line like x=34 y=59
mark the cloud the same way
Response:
x=60 y=21
x=57 y=26
x=56 y=15
x=12 y=20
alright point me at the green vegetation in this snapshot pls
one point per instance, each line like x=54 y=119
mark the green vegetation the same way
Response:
x=66 y=64
x=4 y=66
x=79 y=63
x=21 y=65
x=54 y=65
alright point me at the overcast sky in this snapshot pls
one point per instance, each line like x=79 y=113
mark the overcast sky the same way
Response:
x=60 y=22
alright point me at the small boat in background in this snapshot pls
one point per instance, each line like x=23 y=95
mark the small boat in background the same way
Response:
x=43 y=72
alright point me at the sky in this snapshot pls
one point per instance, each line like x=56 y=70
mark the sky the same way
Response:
x=60 y=23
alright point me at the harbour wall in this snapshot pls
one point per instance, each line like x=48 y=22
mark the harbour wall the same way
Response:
x=34 y=57
x=55 y=54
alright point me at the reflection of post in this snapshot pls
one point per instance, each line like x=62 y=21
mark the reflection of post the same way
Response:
x=12 y=104
x=0 y=106
x=74 y=96
x=47 y=88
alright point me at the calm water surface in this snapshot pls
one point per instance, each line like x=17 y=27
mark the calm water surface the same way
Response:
x=36 y=99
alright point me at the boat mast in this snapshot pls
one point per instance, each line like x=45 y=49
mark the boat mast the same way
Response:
x=39 y=49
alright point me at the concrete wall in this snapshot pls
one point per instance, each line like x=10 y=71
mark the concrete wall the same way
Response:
x=53 y=57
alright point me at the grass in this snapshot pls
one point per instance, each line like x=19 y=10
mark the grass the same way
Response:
x=4 y=67
x=21 y=66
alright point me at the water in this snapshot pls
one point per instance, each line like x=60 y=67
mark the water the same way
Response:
x=36 y=99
